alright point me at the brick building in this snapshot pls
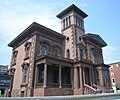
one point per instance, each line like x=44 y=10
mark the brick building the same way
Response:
x=45 y=62
x=115 y=76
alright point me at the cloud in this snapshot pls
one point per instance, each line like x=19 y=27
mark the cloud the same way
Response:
x=111 y=54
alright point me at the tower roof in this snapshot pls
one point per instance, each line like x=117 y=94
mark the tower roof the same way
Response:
x=70 y=8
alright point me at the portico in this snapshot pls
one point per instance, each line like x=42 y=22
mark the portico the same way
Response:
x=56 y=75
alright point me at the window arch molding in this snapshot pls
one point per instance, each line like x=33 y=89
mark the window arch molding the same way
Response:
x=57 y=50
x=25 y=69
x=27 y=49
x=45 y=47
x=68 y=53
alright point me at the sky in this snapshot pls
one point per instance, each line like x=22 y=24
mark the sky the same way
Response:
x=103 y=19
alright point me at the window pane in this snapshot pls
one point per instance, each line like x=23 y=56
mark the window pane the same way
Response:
x=81 y=53
x=44 y=50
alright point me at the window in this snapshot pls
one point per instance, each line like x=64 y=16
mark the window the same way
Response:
x=44 y=50
x=66 y=22
x=68 y=53
x=63 y=23
x=27 y=49
x=81 y=53
x=40 y=73
x=25 y=75
x=113 y=80
x=14 y=57
x=69 y=20
x=25 y=67
x=56 y=52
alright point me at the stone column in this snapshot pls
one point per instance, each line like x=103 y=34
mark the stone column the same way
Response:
x=93 y=76
x=60 y=80
x=71 y=76
x=83 y=75
x=75 y=77
x=45 y=75
x=90 y=76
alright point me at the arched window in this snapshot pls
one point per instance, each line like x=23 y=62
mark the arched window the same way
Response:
x=81 y=54
x=56 y=52
x=68 y=53
x=44 y=50
x=14 y=57
x=25 y=72
x=69 y=20
x=27 y=49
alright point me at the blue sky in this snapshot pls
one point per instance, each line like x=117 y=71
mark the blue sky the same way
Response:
x=103 y=19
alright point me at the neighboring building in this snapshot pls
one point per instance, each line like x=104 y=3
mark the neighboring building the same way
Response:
x=115 y=76
x=48 y=63
x=3 y=71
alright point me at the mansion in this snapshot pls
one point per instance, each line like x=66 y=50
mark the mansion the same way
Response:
x=47 y=63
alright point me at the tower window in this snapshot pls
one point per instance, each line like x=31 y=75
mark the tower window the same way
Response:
x=81 y=53
x=69 y=20
x=66 y=22
x=68 y=53
x=63 y=23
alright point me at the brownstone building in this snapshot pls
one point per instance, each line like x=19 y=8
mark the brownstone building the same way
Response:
x=115 y=76
x=45 y=62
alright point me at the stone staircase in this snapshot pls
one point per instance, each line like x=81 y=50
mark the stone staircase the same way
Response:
x=91 y=90
x=95 y=89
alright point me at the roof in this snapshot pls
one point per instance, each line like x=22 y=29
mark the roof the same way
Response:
x=114 y=63
x=96 y=38
x=70 y=8
x=31 y=29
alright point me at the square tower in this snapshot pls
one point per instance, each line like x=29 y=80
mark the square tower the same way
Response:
x=72 y=26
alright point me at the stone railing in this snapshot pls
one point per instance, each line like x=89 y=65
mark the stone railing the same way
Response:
x=89 y=90
x=53 y=85
x=107 y=96
x=53 y=56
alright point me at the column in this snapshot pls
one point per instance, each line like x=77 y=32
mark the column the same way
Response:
x=83 y=75
x=45 y=75
x=75 y=77
x=71 y=76
x=93 y=76
x=60 y=80
x=90 y=76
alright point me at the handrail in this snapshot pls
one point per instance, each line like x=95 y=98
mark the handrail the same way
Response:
x=89 y=87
